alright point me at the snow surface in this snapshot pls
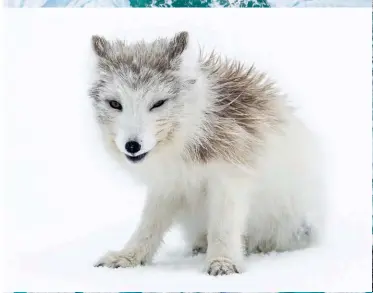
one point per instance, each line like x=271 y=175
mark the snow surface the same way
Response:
x=66 y=203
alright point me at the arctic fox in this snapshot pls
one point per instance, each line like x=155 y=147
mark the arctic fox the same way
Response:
x=217 y=146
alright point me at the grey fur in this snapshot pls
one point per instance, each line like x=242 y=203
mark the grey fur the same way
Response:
x=225 y=156
x=246 y=101
x=245 y=105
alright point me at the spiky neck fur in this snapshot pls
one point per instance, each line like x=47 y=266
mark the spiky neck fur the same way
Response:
x=239 y=108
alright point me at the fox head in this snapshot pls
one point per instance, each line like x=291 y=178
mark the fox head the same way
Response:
x=142 y=94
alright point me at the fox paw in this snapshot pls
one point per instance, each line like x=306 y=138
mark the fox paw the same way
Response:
x=119 y=259
x=222 y=266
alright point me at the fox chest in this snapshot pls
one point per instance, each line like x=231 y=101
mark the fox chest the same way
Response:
x=187 y=180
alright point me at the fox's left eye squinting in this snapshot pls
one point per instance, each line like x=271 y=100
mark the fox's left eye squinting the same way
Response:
x=115 y=105
x=157 y=104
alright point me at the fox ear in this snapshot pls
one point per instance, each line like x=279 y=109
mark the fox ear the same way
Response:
x=101 y=46
x=178 y=44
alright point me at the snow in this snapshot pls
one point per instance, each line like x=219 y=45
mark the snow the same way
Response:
x=66 y=203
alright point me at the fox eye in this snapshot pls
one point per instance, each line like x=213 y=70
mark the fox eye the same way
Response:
x=115 y=105
x=157 y=104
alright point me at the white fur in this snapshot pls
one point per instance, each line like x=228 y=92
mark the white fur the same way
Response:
x=240 y=208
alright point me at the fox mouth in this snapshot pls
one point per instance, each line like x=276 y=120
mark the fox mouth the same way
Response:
x=135 y=159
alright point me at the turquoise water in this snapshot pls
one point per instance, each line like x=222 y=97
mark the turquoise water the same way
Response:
x=187 y=3
x=198 y=3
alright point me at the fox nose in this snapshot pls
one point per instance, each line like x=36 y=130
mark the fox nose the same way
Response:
x=132 y=147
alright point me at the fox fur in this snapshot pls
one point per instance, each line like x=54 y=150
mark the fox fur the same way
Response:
x=224 y=155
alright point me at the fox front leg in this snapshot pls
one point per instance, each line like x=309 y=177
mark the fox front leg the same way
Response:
x=156 y=219
x=227 y=213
